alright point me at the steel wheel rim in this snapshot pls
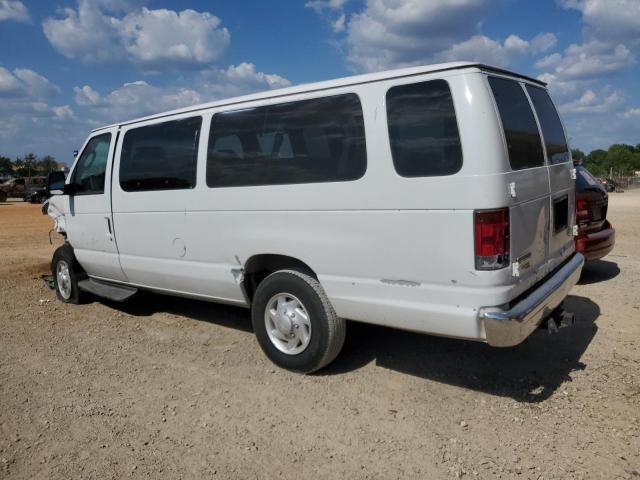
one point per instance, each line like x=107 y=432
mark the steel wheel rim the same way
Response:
x=63 y=277
x=287 y=323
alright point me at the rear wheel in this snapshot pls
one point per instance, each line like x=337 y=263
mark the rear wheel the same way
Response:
x=3 y=196
x=295 y=323
x=66 y=275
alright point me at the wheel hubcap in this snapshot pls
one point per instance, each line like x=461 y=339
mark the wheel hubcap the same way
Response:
x=63 y=277
x=287 y=323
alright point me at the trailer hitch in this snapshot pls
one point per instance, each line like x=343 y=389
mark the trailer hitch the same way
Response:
x=559 y=318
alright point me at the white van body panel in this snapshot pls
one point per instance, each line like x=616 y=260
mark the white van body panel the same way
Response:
x=387 y=249
x=87 y=223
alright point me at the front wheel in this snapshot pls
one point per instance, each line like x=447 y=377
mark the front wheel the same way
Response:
x=295 y=323
x=66 y=275
x=3 y=197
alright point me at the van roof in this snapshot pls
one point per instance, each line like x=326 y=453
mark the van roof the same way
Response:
x=329 y=84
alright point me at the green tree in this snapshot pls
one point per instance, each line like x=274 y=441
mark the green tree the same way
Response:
x=6 y=166
x=623 y=159
x=578 y=155
x=30 y=165
x=46 y=164
x=596 y=162
x=19 y=168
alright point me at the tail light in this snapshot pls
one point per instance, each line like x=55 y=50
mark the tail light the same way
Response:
x=491 y=228
x=582 y=211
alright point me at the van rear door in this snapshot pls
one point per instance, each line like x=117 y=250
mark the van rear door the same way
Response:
x=561 y=183
x=542 y=198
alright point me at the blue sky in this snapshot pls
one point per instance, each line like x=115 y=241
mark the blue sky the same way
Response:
x=67 y=66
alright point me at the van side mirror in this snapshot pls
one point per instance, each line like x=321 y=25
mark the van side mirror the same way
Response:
x=56 y=183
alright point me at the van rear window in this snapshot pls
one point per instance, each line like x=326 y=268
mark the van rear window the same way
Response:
x=519 y=124
x=308 y=141
x=552 y=131
x=423 y=130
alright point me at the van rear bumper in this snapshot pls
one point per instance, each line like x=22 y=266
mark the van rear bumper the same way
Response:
x=506 y=328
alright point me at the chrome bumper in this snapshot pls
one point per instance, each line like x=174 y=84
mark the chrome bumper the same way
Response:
x=506 y=328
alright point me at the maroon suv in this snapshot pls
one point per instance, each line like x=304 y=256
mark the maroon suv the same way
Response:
x=596 y=236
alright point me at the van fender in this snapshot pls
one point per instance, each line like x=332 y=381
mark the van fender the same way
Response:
x=55 y=212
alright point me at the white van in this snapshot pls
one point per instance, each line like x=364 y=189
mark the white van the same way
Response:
x=437 y=199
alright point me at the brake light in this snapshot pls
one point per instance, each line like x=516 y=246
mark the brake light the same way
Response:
x=582 y=211
x=491 y=228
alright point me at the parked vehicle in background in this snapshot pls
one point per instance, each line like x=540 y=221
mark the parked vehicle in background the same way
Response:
x=37 y=195
x=436 y=199
x=596 y=236
x=609 y=184
x=21 y=186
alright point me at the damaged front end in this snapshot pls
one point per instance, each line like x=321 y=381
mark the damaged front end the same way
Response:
x=55 y=212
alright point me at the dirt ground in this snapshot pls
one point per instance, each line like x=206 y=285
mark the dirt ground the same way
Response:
x=169 y=388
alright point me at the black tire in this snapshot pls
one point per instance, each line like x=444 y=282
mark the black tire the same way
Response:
x=3 y=197
x=64 y=255
x=327 y=330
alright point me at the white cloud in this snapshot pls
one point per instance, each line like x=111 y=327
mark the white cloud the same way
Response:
x=587 y=60
x=334 y=10
x=320 y=5
x=483 y=49
x=120 y=6
x=29 y=121
x=245 y=76
x=153 y=36
x=34 y=83
x=139 y=98
x=23 y=82
x=85 y=34
x=590 y=102
x=13 y=10
x=395 y=33
x=543 y=42
x=86 y=96
x=149 y=37
x=339 y=24
x=632 y=113
x=64 y=112
x=559 y=87
x=609 y=20
x=8 y=82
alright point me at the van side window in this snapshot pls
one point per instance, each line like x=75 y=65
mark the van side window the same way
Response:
x=552 y=131
x=161 y=156
x=423 y=130
x=89 y=173
x=519 y=124
x=308 y=141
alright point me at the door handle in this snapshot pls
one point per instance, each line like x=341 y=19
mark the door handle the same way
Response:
x=109 y=230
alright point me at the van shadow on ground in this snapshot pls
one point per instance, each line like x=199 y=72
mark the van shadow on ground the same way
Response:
x=598 y=271
x=145 y=304
x=530 y=372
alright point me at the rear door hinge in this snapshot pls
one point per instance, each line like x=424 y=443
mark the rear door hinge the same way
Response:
x=512 y=189
x=573 y=174
x=574 y=230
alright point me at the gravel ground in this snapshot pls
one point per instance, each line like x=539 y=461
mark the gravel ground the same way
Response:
x=171 y=388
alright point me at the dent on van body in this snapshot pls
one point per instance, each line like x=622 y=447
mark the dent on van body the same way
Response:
x=55 y=211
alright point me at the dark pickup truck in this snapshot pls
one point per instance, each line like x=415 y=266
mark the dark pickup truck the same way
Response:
x=21 y=187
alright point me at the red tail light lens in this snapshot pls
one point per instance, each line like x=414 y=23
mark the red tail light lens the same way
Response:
x=491 y=228
x=582 y=211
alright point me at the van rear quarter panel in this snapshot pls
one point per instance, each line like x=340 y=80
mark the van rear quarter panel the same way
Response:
x=387 y=249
